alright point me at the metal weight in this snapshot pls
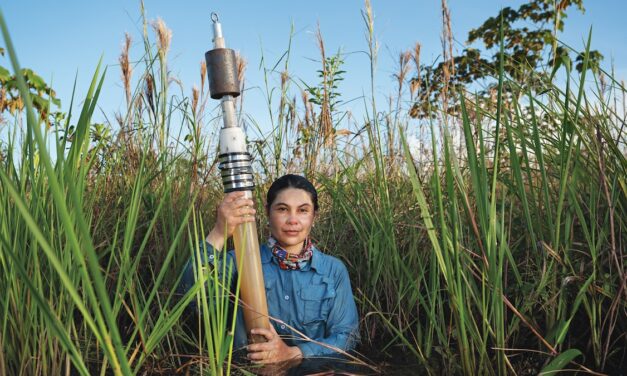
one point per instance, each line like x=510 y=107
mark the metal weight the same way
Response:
x=222 y=72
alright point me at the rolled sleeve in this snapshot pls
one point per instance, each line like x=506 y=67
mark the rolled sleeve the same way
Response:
x=207 y=256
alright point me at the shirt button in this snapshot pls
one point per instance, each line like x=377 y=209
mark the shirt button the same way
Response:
x=210 y=257
x=283 y=326
x=287 y=297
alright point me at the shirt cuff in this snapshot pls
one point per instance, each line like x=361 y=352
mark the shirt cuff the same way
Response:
x=211 y=254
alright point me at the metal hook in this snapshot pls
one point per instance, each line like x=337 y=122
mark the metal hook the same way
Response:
x=214 y=17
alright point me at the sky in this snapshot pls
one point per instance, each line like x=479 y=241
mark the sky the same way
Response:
x=61 y=40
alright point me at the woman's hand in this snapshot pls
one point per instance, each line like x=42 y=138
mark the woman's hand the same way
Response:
x=234 y=210
x=273 y=351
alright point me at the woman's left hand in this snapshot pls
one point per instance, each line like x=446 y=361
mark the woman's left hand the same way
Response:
x=273 y=351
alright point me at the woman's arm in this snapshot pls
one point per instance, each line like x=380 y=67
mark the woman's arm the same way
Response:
x=232 y=211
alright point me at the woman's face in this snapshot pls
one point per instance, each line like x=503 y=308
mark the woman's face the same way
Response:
x=291 y=216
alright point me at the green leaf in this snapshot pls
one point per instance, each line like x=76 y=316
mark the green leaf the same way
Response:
x=560 y=361
x=33 y=80
x=5 y=75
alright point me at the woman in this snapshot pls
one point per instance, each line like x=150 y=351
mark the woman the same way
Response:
x=305 y=288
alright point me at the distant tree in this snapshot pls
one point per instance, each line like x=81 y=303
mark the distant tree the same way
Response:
x=41 y=95
x=529 y=44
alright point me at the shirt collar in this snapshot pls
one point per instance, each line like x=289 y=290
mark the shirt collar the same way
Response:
x=266 y=254
x=316 y=260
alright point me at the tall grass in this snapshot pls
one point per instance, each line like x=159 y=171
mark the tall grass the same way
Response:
x=501 y=265
x=499 y=251
x=92 y=245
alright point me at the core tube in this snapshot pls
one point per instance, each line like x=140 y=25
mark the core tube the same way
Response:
x=235 y=165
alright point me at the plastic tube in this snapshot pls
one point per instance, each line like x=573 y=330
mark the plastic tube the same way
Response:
x=252 y=290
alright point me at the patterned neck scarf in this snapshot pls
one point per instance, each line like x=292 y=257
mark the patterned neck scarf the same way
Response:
x=289 y=261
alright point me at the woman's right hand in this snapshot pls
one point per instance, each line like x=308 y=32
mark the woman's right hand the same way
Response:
x=234 y=210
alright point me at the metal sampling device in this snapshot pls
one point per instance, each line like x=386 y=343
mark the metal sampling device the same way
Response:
x=235 y=165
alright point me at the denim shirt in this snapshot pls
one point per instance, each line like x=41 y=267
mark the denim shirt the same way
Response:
x=316 y=300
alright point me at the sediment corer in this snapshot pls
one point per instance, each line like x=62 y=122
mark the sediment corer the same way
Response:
x=235 y=164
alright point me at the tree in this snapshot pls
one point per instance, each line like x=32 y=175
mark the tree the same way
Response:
x=529 y=42
x=41 y=95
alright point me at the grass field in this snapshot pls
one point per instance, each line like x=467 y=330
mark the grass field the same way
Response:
x=486 y=241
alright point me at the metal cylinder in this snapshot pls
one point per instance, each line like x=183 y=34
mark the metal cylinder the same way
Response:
x=222 y=72
x=237 y=172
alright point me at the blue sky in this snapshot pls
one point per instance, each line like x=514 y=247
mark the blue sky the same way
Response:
x=60 y=39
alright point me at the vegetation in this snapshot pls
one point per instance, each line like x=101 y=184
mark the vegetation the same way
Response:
x=41 y=95
x=529 y=39
x=488 y=242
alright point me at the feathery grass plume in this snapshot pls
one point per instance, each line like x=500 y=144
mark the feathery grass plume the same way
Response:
x=292 y=124
x=285 y=76
x=195 y=97
x=283 y=101
x=372 y=125
x=126 y=68
x=307 y=108
x=373 y=44
x=127 y=71
x=448 y=35
x=164 y=36
x=139 y=105
x=241 y=64
x=403 y=69
x=196 y=141
x=326 y=121
x=447 y=53
x=203 y=76
x=149 y=91
x=603 y=86
x=369 y=18
x=415 y=82
x=293 y=116
x=202 y=98
x=241 y=68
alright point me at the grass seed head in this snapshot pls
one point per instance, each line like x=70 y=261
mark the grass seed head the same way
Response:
x=164 y=36
x=195 y=97
x=241 y=68
x=203 y=74
x=125 y=66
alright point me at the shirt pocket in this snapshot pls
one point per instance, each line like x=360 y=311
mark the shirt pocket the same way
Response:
x=317 y=302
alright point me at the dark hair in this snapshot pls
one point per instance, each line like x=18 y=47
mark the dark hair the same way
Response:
x=291 y=181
